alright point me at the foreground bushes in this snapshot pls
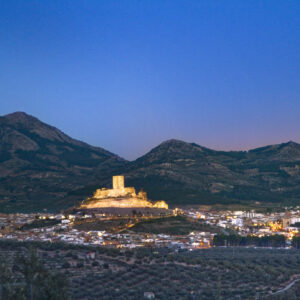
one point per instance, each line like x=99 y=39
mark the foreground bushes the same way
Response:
x=237 y=240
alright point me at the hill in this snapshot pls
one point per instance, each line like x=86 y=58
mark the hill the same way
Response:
x=186 y=173
x=40 y=165
x=175 y=225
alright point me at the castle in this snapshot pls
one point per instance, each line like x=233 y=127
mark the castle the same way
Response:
x=121 y=197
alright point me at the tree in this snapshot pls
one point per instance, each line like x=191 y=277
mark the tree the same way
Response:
x=6 y=281
x=296 y=242
x=30 y=267
x=40 y=282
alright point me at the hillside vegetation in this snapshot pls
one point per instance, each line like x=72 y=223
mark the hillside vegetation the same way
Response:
x=42 y=168
x=217 y=273
x=40 y=165
x=175 y=225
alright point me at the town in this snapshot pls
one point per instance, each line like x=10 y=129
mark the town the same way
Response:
x=47 y=227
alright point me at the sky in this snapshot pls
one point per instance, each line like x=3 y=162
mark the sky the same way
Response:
x=127 y=75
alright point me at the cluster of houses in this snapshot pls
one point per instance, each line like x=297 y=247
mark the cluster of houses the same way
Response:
x=62 y=230
x=252 y=223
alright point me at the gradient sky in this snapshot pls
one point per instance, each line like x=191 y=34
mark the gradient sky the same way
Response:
x=126 y=75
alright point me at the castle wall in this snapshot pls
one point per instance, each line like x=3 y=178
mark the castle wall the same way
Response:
x=161 y=204
x=131 y=202
x=100 y=194
x=104 y=193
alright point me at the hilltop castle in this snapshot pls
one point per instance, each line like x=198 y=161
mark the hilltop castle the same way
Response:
x=121 y=197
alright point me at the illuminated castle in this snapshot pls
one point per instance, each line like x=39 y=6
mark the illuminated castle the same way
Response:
x=121 y=197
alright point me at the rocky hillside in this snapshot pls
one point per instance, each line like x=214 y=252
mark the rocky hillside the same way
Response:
x=182 y=172
x=40 y=165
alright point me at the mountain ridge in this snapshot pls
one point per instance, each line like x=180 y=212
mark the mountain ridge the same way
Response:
x=42 y=167
x=267 y=173
x=24 y=118
x=41 y=164
x=19 y=115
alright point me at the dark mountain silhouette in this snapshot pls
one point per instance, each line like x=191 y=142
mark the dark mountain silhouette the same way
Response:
x=41 y=167
x=182 y=172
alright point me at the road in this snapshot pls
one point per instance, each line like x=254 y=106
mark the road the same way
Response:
x=287 y=287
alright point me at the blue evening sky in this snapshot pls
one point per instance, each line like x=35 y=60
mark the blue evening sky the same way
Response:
x=127 y=75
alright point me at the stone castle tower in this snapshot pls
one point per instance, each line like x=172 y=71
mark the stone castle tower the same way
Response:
x=118 y=182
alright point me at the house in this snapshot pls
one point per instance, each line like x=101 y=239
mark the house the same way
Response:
x=90 y=255
x=149 y=295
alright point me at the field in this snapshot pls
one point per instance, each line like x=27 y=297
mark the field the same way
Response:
x=178 y=225
x=217 y=273
x=109 y=225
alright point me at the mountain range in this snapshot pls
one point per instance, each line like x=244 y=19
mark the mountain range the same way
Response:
x=43 y=168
